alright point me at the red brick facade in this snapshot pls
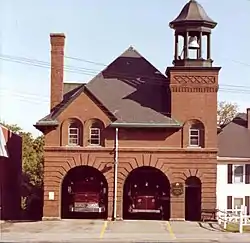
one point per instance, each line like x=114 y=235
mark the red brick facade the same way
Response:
x=193 y=98
x=10 y=176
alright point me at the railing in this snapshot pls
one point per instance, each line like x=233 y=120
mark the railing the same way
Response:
x=236 y=216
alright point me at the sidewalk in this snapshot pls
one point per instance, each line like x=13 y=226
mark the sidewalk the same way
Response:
x=119 y=231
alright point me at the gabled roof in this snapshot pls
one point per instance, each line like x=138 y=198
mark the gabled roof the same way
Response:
x=130 y=89
x=234 y=138
x=134 y=91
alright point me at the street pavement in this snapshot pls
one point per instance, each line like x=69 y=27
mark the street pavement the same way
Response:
x=118 y=231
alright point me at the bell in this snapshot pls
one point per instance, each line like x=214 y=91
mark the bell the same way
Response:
x=193 y=43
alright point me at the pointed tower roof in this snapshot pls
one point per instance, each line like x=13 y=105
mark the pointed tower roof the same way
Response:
x=193 y=13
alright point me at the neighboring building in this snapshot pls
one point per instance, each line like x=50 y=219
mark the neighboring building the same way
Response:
x=133 y=140
x=10 y=174
x=233 y=170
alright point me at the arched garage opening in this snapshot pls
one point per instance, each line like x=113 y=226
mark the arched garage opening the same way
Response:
x=84 y=194
x=146 y=194
x=193 y=199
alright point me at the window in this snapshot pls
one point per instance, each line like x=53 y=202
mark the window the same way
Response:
x=95 y=136
x=73 y=135
x=194 y=137
x=238 y=173
x=237 y=202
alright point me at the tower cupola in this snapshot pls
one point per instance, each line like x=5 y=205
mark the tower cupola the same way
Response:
x=192 y=36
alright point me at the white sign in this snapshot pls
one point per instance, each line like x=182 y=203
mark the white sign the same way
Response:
x=51 y=196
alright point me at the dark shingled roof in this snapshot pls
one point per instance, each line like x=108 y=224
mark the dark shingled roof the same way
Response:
x=192 y=12
x=133 y=90
x=130 y=89
x=234 y=139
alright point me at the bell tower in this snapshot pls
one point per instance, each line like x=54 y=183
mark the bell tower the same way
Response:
x=193 y=79
x=192 y=36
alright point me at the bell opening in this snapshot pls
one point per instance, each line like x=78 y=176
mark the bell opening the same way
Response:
x=193 y=43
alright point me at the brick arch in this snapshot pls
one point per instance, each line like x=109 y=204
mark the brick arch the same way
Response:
x=123 y=174
x=151 y=167
x=103 y=165
x=193 y=180
x=127 y=165
x=193 y=121
x=182 y=176
x=105 y=175
x=64 y=130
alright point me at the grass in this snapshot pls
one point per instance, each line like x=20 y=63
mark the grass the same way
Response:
x=235 y=228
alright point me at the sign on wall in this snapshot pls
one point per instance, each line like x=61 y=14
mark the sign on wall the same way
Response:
x=177 y=189
x=51 y=196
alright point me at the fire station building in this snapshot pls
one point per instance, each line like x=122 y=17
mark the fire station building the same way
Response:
x=133 y=142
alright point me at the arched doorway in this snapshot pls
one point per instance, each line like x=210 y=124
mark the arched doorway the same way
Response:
x=146 y=194
x=193 y=199
x=84 y=194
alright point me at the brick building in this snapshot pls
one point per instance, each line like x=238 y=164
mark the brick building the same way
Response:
x=10 y=174
x=148 y=140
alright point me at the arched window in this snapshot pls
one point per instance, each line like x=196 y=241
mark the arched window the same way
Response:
x=94 y=130
x=74 y=133
x=95 y=134
x=196 y=134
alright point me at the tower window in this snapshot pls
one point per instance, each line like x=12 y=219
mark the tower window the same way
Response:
x=195 y=134
x=194 y=137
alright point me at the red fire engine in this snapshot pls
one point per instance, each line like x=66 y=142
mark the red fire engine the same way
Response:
x=87 y=196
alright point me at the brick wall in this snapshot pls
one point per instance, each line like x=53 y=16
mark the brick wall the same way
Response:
x=161 y=148
x=10 y=178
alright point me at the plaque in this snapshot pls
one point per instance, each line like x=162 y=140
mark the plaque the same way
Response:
x=177 y=189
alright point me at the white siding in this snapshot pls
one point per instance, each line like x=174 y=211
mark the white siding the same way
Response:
x=224 y=189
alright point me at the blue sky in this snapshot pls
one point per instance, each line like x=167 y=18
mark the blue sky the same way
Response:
x=99 y=31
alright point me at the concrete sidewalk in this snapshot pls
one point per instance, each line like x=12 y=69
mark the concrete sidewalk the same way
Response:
x=119 y=231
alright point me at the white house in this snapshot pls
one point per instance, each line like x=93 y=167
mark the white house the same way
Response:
x=233 y=169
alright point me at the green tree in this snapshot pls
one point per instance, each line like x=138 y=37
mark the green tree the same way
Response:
x=226 y=111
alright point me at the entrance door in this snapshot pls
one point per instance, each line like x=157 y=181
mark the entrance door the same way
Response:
x=193 y=199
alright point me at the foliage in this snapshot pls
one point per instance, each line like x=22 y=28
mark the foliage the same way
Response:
x=32 y=163
x=226 y=111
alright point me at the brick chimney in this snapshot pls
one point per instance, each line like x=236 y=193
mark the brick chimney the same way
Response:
x=57 y=41
x=248 y=118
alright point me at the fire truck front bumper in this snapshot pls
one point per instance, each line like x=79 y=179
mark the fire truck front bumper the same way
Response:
x=135 y=210
x=87 y=208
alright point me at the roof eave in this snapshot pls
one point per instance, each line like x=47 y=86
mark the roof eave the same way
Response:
x=144 y=125
x=206 y=23
x=44 y=125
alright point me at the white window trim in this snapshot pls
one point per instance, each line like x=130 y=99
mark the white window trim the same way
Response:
x=243 y=200
x=244 y=174
x=189 y=138
x=99 y=136
x=77 y=134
